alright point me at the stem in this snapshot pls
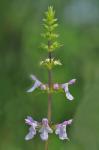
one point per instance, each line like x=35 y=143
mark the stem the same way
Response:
x=49 y=94
x=46 y=145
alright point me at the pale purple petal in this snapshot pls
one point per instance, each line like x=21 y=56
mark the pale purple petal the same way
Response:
x=33 y=77
x=45 y=122
x=67 y=122
x=30 y=118
x=31 y=89
x=30 y=121
x=49 y=130
x=45 y=129
x=36 y=85
x=61 y=129
x=43 y=87
x=56 y=86
x=30 y=135
x=69 y=96
x=57 y=131
x=44 y=135
x=32 y=129
x=70 y=121
x=72 y=81
x=46 y=126
x=63 y=134
x=66 y=89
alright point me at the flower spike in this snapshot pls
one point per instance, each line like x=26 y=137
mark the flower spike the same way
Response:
x=45 y=130
x=46 y=126
x=61 y=129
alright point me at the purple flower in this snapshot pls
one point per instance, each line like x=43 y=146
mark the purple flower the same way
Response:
x=43 y=87
x=61 y=129
x=36 y=84
x=72 y=81
x=45 y=129
x=66 y=89
x=32 y=129
x=56 y=86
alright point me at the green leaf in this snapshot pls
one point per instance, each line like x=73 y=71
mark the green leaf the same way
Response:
x=44 y=46
x=49 y=36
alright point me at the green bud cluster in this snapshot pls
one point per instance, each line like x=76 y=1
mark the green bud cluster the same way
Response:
x=50 y=24
x=50 y=64
x=50 y=35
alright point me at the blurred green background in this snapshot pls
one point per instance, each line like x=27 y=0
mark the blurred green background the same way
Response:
x=20 y=53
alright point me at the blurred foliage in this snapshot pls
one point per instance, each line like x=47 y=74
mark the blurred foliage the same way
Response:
x=20 y=53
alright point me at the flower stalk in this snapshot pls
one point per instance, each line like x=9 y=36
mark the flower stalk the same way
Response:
x=45 y=127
